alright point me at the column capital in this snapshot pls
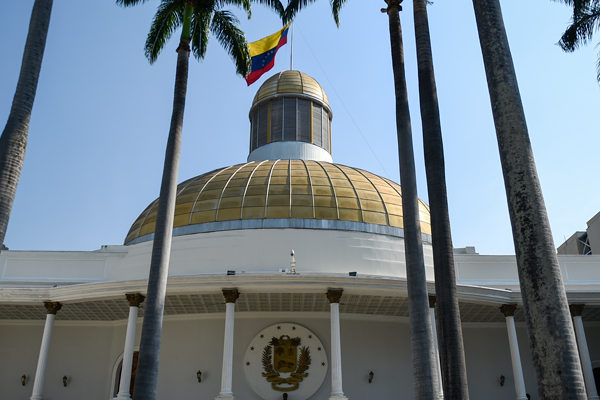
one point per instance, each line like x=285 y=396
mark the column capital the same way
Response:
x=334 y=295
x=431 y=300
x=135 y=299
x=393 y=6
x=508 y=309
x=576 y=309
x=52 y=307
x=230 y=295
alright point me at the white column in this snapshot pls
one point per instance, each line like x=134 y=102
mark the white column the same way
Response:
x=134 y=299
x=231 y=296
x=440 y=389
x=584 y=354
x=40 y=373
x=509 y=313
x=337 y=392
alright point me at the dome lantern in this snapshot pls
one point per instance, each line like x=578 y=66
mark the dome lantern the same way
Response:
x=290 y=118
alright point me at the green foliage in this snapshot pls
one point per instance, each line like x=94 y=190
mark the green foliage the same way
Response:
x=224 y=26
x=129 y=3
x=336 y=6
x=294 y=6
x=586 y=20
x=207 y=17
x=168 y=17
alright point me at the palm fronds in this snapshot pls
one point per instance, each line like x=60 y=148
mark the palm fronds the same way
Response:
x=336 y=6
x=586 y=20
x=200 y=33
x=243 y=4
x=168 y=17
x=275 y=5
x=129 y=3
x=293 y=7
x=203 y=18
x=232 y=39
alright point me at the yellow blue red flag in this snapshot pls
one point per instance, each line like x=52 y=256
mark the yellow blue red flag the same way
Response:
x=263 y=53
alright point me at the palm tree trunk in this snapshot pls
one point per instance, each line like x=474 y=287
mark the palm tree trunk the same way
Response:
x=146 y=380
x=421 y=334
x=454 y=372
x=549 y=324
x=13 y=141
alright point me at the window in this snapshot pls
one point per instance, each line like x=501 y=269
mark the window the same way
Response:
x=263 y=123
x=289 y=118
x=276 y=120
x=304 y=120
x=316 y=124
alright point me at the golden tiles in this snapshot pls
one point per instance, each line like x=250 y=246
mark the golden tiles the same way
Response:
x=253 y=190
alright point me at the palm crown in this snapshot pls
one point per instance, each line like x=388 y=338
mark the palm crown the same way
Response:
x=198 y=19
x=294 y=6
x=586 y=18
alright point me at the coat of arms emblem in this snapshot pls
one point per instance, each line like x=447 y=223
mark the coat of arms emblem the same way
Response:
x=279 y=357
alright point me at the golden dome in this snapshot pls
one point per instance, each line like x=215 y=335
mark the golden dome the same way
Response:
x=291 y=82
x=321 y=193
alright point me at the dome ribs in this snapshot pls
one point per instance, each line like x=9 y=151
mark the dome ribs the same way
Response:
x=387 y=214
x=204 y=187
x=246 y=188
x=312 y=191
x=360 y=206
x=337 y=208
x=225 y=187
x=300 y=194
x=268 y=187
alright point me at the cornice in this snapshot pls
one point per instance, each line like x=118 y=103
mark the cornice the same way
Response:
x=268 y=283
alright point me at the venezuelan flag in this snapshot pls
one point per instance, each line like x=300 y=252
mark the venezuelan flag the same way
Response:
x=263 y=53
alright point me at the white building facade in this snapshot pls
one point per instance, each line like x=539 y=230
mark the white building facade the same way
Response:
x=243 y=318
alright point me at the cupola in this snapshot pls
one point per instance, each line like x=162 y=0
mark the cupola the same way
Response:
x=290 y=119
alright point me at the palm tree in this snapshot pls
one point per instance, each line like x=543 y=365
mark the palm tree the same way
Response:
x=545 y=304
x=197 y=19
x=13 y=141
x=421 y=333
x=423 y=350
x=454 y=373
x=586 y=18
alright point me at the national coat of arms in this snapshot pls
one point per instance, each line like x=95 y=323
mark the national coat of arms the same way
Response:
x=279 y=357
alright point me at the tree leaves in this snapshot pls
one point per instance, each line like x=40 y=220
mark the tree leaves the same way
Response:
x=208 y=17
x=168 y=17
x=586 y=20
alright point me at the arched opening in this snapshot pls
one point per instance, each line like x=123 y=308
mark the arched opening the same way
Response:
x=118 y=375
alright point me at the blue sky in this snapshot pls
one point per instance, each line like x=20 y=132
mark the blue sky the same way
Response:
x=101 y=116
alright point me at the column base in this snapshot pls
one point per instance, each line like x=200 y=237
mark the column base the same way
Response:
x=224 y=397
x=36 y=397
x=122 y=397
x=338 y=397
x=522 y=398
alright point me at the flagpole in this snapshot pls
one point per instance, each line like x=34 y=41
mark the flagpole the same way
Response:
x=292 y=48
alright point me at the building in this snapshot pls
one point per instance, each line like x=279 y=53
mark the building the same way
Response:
x=246 y=318
x=584 y=242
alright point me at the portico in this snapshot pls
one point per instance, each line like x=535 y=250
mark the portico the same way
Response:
x=371 y=310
